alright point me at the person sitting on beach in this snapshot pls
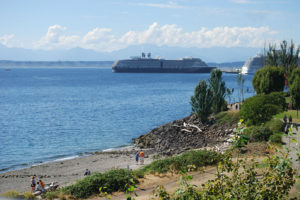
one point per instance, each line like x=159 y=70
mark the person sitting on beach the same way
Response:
x=39 y=187
x=137 y=158
x=32 y=183
x=42 y=184
x=87 y=172
x=141 y=156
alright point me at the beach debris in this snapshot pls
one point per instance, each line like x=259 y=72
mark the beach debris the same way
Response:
x=182 y=135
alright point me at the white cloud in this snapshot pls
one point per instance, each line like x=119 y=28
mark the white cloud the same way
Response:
x=6 y=40
x=104 y=40
x=55 y=38
x=172 y=35
x=100 y=39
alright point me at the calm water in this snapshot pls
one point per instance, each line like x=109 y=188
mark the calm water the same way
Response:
x=48 y=114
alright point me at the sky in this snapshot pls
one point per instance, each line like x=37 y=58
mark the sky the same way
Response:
x=111 y=25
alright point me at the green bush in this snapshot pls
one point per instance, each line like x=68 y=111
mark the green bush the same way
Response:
x=184 y=162
x=227 y=117
x=276 y=138
x=10 y=194
x=268 y=79
x=259 y=109
x=258 y=134
x=239 y=180
x=114 y=180
x=29 y=195
x=278 y=98
x=50 y=195
x=275 y=125
x=295 y=73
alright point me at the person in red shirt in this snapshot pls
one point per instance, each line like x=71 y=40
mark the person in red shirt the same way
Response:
x=141 y=156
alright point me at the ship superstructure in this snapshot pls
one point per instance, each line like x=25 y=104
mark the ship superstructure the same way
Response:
x=147 y=64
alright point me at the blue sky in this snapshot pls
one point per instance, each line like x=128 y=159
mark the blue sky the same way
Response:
x=110 y=25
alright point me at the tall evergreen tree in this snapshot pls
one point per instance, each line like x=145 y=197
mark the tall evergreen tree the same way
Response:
x=218 y=89
x=286 y=56
x=201 y=101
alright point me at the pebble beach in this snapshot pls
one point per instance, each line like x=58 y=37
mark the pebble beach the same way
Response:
x=66 y=172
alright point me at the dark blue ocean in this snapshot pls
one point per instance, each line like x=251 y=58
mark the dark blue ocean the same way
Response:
x=49 y=114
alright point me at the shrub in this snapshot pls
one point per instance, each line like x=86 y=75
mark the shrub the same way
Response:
x=29 y=195
x=259 y=109
x=258 y=134
x=277 y=98
x=276 y=138
x=51 y=195
x=227 y=117
x=275 y=125
x=183 y=162
x=240 y=180
x=295 y=92
x=295 y=73
x=114 y=180
x=10 y=194
x=268 y=79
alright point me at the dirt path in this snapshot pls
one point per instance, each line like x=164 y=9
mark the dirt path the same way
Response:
x=170 y=182
x=293 y=146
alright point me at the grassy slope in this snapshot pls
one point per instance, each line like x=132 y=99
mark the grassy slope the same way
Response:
x=293 y=113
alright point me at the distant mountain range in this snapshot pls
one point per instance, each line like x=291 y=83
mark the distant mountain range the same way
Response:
x=215 y=54
x=12 y=64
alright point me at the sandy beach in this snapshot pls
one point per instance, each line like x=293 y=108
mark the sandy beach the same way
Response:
x=66 y=172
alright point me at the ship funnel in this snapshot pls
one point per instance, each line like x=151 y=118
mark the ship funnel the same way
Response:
x=149 y=55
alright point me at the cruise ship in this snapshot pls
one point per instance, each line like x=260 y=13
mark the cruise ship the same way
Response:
x=147 y=64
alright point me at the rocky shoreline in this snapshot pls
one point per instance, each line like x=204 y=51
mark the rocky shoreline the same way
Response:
x=170 y=139
x=188 y=133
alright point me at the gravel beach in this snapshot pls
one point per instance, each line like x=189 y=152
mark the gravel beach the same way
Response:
x=66 y=172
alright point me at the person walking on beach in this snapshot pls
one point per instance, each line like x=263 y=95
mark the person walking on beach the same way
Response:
x=32 y=183
x=141 y=156
x=137 y=157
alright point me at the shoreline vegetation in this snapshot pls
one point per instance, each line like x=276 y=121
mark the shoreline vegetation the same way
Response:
x=210 y=136
x=66 y=172
x=71 y=172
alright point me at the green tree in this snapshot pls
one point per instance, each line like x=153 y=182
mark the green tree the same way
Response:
x=272 y=56
x=268 y=79
x=202 y=101
x=259 y=109
x=219 y=91
x=295 y=73
x=295 y=92
x=286 y=56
